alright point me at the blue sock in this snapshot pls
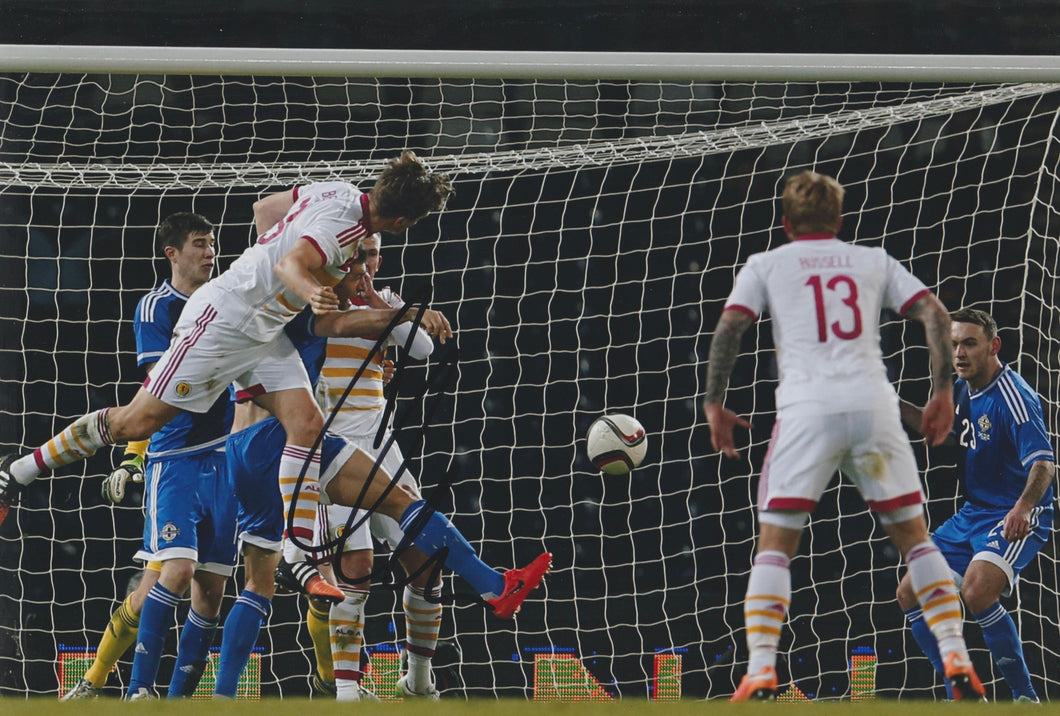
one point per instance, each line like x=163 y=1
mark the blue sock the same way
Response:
x=192 y=653
x=1003 y=641
x=927 y=642
x=156 y=617
x=239 y=637
x=435 y=533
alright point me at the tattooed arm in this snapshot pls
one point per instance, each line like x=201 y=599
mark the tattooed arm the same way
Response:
x=937 y=418
x=723 y=351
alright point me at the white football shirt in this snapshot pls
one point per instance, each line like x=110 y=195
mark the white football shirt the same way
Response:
x=333 y=217
x=825 y=298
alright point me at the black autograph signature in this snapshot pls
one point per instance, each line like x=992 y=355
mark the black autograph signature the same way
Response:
x=442 y=380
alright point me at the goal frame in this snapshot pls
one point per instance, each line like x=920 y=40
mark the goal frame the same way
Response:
x=603 y=66
x=736 y=66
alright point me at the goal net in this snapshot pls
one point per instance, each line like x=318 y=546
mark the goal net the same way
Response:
x=583 y=262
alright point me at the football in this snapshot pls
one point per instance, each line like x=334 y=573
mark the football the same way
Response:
x=616 y=443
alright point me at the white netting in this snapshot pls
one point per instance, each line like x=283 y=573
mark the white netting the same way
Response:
x=594 y=236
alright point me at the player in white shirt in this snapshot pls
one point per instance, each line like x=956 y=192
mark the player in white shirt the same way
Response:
x=231 y=329
x=836 y=410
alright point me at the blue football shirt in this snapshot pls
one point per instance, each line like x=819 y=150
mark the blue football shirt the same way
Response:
x=1001 y=431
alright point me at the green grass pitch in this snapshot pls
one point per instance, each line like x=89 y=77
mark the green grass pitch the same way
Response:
x=509 y=707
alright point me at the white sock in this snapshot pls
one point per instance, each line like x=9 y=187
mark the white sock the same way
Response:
x=346 y=625
x=291 y=553
x=937 y=594
x=81 y=439
x=301 y=504
x=423 y=620
x=766 y=607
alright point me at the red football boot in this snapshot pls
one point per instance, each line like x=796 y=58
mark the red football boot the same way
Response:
x=518 y=583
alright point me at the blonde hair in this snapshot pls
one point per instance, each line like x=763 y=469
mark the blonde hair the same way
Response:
x=813 y=203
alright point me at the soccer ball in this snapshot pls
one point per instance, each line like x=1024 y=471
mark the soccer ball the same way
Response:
x=616 y=443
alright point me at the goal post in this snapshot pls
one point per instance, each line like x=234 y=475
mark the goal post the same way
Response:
x=604 y=202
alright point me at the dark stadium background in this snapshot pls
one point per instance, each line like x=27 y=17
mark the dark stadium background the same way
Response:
x=678 y=26
x=978 y=27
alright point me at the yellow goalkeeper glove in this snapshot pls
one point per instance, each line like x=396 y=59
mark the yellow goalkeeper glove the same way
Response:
x=132 y=468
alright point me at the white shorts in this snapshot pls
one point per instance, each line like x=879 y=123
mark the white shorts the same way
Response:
x=207 y=354
x=332 y=519
x=869 y=447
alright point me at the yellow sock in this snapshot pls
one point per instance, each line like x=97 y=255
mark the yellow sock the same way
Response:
x=317 y=620
x=137 y=447
x=119 y=636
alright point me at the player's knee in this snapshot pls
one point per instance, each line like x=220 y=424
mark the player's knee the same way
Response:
x=260 y=567
x=207 y=596
x=971 y=598
x=977 y=596
x=356 y=568
x=125 y=423
x=314 y=422
x=306 y=429
x=140 y=419
x=177 y=575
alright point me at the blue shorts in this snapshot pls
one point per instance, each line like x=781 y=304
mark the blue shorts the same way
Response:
x=190 y=512
x=975 y=533
x=254 y=464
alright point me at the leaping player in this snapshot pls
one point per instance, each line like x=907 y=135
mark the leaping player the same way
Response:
x=231 y=329
x=346 y=469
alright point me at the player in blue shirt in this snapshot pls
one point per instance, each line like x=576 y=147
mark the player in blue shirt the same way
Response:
x=1007 y=467
x=190 y=526
x=190 y=511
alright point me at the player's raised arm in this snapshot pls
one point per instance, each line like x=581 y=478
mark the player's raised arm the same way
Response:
x=270 y=209
x=937 y=417
x=722 y=357
x=294 y=270
x=365 y=322
x=434 y=323
x=371 y=321
x=355 y=324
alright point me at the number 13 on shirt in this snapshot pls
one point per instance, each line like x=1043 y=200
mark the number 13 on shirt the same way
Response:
x=845 y=327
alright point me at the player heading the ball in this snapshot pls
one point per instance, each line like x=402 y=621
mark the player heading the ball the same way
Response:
x=231 y=329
